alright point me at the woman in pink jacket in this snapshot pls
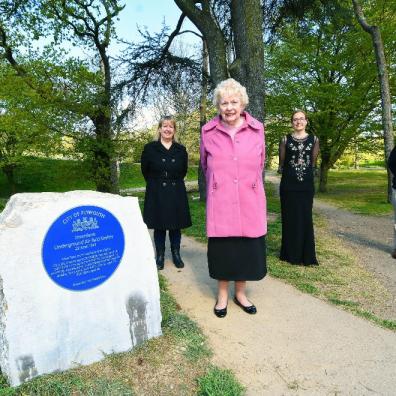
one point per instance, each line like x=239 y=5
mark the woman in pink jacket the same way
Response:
x=232 y=157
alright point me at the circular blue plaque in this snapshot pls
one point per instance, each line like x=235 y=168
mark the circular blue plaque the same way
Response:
x=83 y=247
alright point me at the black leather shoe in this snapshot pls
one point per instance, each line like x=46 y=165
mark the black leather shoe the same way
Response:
x=220 y=313
x=251 y=309
x=176 y=257
x=160 y=259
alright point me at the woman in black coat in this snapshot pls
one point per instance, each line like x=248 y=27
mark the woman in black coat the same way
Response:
x=164 y=166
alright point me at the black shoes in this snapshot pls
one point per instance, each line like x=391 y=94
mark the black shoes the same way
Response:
x=251 y=309
x=176 y=257
x=160 y=259
x=220 y=313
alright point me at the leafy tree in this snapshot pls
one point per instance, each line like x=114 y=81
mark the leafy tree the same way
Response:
x=383 y=78
x=320 y=64
x=99 y=98
x=27 y=126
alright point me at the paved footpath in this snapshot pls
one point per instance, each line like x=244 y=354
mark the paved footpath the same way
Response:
x=295 y=345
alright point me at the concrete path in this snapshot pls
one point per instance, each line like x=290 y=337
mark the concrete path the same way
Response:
x=295 y=345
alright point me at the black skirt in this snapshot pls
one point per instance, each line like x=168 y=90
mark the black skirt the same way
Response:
x=237 y=258
x=298 y=241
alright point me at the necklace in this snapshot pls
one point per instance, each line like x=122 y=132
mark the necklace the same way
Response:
x=296 y=137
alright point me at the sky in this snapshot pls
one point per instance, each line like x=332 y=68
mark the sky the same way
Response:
x=151 y=14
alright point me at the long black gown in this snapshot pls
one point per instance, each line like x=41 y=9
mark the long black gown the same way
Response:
x=296 y=160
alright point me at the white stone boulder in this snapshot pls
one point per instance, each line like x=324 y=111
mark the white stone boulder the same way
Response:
x=77 y=281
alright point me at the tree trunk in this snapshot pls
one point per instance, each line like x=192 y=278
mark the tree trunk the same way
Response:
x=104 y=163
x=248 y=66
x=105 y=170
x=384 y=86
x=205 y=23
x=324 y=171
x=202 y=115
x=9 y=171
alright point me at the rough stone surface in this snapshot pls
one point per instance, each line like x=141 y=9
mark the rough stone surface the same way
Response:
x=45 y=327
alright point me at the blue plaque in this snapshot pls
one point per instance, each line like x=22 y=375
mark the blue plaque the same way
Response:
x=83 y=247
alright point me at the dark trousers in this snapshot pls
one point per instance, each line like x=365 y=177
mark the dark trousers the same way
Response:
x=174 y=237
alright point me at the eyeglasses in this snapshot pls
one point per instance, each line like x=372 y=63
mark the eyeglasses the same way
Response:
x=299 y=119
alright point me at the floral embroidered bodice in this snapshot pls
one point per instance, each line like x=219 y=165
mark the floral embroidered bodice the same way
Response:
x=296 y=159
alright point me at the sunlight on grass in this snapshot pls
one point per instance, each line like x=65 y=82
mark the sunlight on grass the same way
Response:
x=360 y=191
x=219 y=382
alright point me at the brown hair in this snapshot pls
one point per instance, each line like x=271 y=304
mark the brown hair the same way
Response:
x=162 y=120
x=298 y=111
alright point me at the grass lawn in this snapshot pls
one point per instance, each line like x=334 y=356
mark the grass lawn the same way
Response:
x=360 y=191
x=339 y=279
x=42 y=174
x=177 y=363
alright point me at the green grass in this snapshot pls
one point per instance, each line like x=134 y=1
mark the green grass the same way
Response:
x=372 y=163
x=198 y=218
x=68 y=383
x=219 y=382
x=3 y=202
x=43 y=174
x=360 y=191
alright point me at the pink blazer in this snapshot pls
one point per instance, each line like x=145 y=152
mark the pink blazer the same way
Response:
x=235 y=203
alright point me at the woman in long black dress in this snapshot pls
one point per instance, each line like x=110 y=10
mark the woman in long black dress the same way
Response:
x=298 y=153
x=164 y=166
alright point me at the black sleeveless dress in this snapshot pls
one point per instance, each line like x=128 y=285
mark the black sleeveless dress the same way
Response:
x=296 y=195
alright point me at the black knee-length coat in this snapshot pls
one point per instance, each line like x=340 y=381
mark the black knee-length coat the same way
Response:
x=165 y=204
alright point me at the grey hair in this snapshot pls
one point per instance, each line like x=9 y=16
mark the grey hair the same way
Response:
x=230 y=87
